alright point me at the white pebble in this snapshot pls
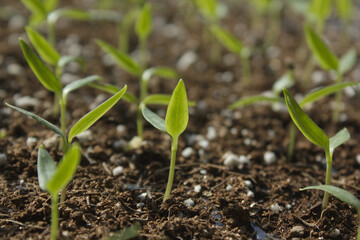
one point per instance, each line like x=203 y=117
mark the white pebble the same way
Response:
x=247 y=141
x=203 y=172
x=229 y=188
x=297 y=231
x=197 y=188
x=204 y=144
x=318 y=77
x=334 y=233
x=230 y=160
x=248 y=183
x=242 y=161
x=3 y=159
x=121 y=129
x=250 y=193
x=84 y=136
x=186 y=60
x=269 y=157
x=120 y=144
x=117 y=171
x=225 y=77
x=14 y=69
x=67 y=78
x=275 y=208
x=358 y=158
x=53 y=141
x=30 y=141
x=140 y=205
x=26 y=101
x=142 y=196
x=187 y=152
x=189 y=202
x=211 y=133
x=22 y=182
x=288 y=206
x=16 y=22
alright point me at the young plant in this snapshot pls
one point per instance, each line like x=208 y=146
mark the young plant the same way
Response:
x=315 y=135
x=328 y=61
x=175 y=123
x=343 y=196
x=54 y=178
x=143 y=27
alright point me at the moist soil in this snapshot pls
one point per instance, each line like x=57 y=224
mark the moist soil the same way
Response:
x=209 y=200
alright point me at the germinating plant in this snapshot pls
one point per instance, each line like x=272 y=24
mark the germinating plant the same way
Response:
x=315 y=135
x=343 y=196
x=175 y=123
x=53 y=178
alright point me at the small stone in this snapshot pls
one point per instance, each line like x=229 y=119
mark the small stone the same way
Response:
x=30 y=141
x=248 y=183
x=84 y=136
x=3 y=159
x=16 y=22
x=22 y=182
x=134 y=143
x=65 y=233
x=225 y=77
x=230 y=160
x=211 y=133
x=269 y=158
x=187 y=152
x=189 y=202
x=120 y=144
x=121 y=129
x=243 y=161
x=250 y=194
x=358 y=158
x=186 y=60
x=297 y=231
x=335 y=233
x=247 y=141
x=203 y=172
x=275 y=208
x=140 y=205
x=318 y=77
x=26 y=101
x=204 y=144
x=142 y=196
x=229 y=188
x=52 y=142
x=14 y=69
x=197 y=188
x=288 y=206
x=117 y=171
x=67 y=78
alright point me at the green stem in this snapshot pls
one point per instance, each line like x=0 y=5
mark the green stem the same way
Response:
x=174 y=145
x=338 y=99
x=54 y=215
x=51 y=34
x=328 y=177
x=358 y=235
x=291 y=146
x=63 y=146
x=245 y=71
x=310 y=64
x=139 y=123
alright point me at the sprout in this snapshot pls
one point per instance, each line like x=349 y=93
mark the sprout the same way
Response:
x=143 y=27
x=315 y=135
x=175 y=123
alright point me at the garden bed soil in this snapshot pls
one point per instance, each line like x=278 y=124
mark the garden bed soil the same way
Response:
x=208 y=200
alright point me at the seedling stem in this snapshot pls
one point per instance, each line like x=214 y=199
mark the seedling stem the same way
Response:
x=174 y=144
x=54 y=215
x=328 y=156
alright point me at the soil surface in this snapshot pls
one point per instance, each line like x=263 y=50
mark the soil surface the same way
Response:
x=258 y=199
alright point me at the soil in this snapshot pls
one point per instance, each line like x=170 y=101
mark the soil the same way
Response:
x=208 y=200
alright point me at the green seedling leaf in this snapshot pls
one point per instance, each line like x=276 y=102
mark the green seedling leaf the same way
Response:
x=324 y=56
x=79 y=83
x=113 y=89
x=339 y=138
x=310 y=130
x=153 y=119
x=207 y=8
x=40 y=120
x=143 y=23
x=65 y=170
x=321 y=9
x=347 y=61
x=46 y=167
x=177 y=115
x=89 y=119
x=43 y=47
x=285 y=81
x=229 y=41
x=105 y=15
x=45 y=76
x=344 y=9
x=124 y=60
x=36 y=7
x=163 y=72
x=75 y=14
x=339 y=193
x=325 y=91
x=51 y=5
x=254 y=99
x=126 y=233
x=161 y=99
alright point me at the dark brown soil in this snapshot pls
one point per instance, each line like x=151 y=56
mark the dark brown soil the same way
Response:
x=259 y=201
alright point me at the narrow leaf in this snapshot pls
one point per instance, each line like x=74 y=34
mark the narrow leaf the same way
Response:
x=79 y=83
x=51 y=5
x=46 y=167
x=40 y=120
x=339 y=193
x=161 y=99
x=124 y=60
x=347 y=61
x=113 y=89
x=339 y=138
x=126 y=233
x=325 y=91
x=45 y=76
x=89 y=119
x=285 y=81
x=153 y=119
x=36 y=7
x=310 y=130
x=323 y=54
x=75 y=14
x=177 y=115
x=143 y=23
x=163 y=72
x=254 y=99
x=228 y=40
x=43 y=47
x=65 y=171
x=345 y=9
x=207 y=8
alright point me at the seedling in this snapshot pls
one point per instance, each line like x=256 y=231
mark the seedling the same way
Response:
x=343 y=196
x=315 y=135
x=143 y=27
x=175 y=123
x=328 y=61
x=54 y=178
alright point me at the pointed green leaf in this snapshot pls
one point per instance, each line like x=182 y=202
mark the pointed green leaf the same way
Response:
x=79 y=83
x=43 y=47
x=124 y=60
x=36 y=7
x=143 y=23
x=163 y=72
x=321 y=9
x=254 y=99
x=161 y=99
x=323 y=54
x=310 y=130
x=153 y=119
x=113 y=89
x=339 y=138
x=45 y=76
x=325 y=91
x=345 y=9
x=51 y=5
x=75 y=14
x=339 y=193
x=228 y=40
x=89 y=119
x=207 y=8
x=177 y=115
x=285 y=81
x=40 y=120
x=46 y=167
x=65 y=170
x=347 y=61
